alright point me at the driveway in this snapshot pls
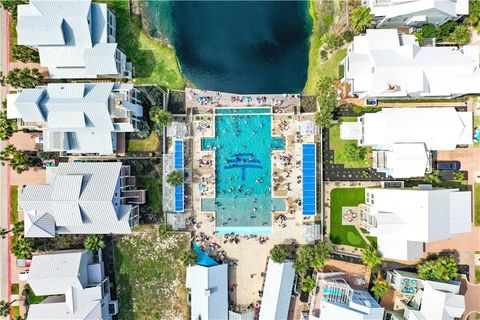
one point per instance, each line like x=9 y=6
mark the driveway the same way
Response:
x=31 y=176
x=24 y=141
x=469 y=157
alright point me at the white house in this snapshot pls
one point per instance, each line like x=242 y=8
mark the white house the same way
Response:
x=404 y=219
x=82 y=198
x=415 y=13
x=403 y=138
x=78 y=118
x=277 y=291
x=384 y=64
x=75 y=285
x=335 y=299
x=424 y=299
x=75 y=39
x=208 y=291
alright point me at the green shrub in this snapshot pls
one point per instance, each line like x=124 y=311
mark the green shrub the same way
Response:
x=347 y=36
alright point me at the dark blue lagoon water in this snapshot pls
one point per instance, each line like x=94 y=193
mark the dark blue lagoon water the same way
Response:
x=237 y=46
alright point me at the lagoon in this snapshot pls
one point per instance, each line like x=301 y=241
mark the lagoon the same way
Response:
x=237 y=46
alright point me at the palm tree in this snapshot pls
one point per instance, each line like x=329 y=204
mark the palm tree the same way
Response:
x=94 y=242
x=5 y=308
x=361 y=18
x=188 y=258
x=16 y=230
x=370 y=257
x=308 y=284
x=18 y=160
x=323 y=251
x=380 y=287
x=175 y=178
x=278 y=253
x=23 y=248
x=426 y=270
x=160 y=118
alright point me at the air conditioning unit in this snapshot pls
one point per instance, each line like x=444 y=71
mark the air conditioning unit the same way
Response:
x=113 y=307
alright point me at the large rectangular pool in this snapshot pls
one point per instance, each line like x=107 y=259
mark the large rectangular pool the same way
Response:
x=243 y=144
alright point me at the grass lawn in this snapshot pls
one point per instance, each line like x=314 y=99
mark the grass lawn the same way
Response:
x=149 y=144
x=317 y=69
x=14 y=288
x=477 y=274
x=476 y=209
x=15 y=312
x=13 y=204
x=338 y=147
x=340 y=234
x=154 y=185
x=149 y=276
x=33 y=299
x=153 y=62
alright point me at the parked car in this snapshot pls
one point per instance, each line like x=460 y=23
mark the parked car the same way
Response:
x=448 y=165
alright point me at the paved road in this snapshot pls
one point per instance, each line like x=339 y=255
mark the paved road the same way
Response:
x=3 y=170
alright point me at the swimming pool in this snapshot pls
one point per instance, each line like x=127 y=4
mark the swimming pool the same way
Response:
x=243 y=143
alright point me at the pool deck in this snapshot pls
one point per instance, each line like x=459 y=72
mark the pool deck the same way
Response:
x=286 y=183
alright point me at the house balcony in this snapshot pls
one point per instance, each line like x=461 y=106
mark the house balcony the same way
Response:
x=134 y=196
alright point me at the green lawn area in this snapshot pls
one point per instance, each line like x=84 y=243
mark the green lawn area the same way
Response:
x=338 y=147
x=154 y=185
x=153 y=62
x=149 y=275
x=13 y=204
x=33 y=299
x=476 y=193
x=317 y=69
x=149 y=144
x=14 y=288
x=340 y=234
x=477 y=274
x=15 y=312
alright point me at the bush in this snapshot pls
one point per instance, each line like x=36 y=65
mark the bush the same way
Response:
x=143 y=130
x=460 y=35
x=357 y=109
x=353 y=152
x=341 y=71
x=360 y=18
x=328 y=21
x=323 y=55
x=347 y=36
x=278 y=254
x=331 y=41
x=444 y=268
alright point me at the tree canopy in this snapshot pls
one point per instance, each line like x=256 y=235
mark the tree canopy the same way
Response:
x=175 y=178
x=278 y=253
x=18 y=160
x=25 y=54
x=308 y=284
x=22 y=78
x=380 y=287
x=312 y=256
x=361 y=18
x=188 y=258
x=160 y=118
x=370 y=257
x=16 y=230
x=22 y=248
x=444 y=268
x=7 y=126
x=94 y=242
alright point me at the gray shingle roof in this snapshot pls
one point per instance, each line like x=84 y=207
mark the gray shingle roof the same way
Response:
x=80 y=200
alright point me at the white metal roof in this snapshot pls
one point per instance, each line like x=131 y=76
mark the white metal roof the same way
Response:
x=383 y=64
x=80 y=199
x=277 y=291
x=76 y=116
x=439 y=128
x=209 y=291
x=71 y=37
x=407 y=217
x=440 y=300
x=66 y=273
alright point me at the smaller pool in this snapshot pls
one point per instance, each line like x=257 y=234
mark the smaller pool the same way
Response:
x=202 y=258
x=331 y=291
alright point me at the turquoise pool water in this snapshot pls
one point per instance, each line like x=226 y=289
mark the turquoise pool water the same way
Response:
x=203 y=258
x=243 y=146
